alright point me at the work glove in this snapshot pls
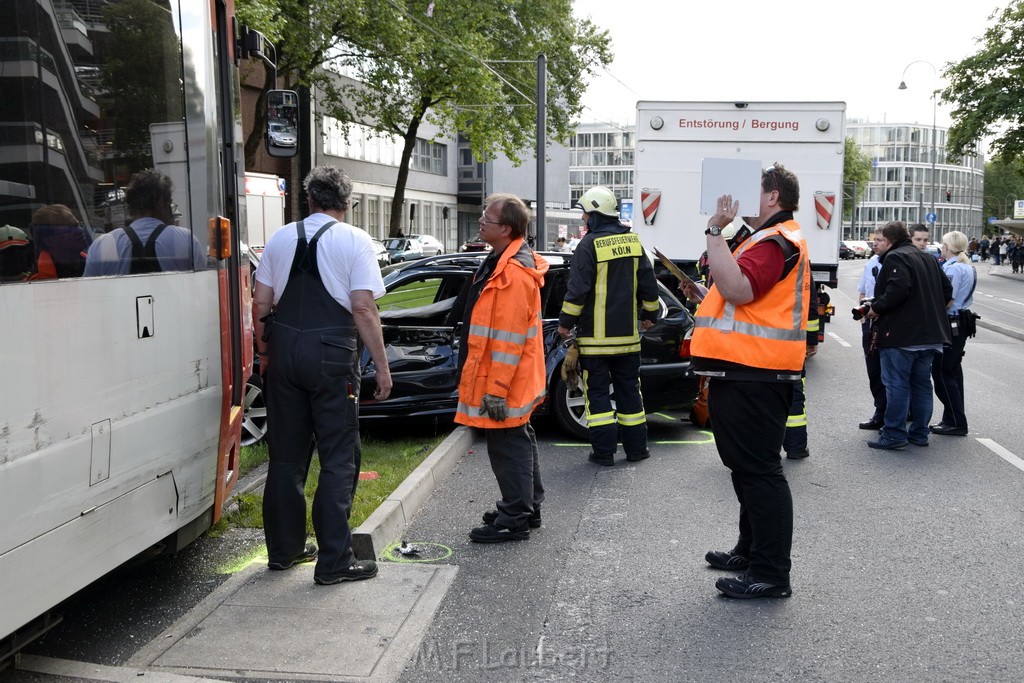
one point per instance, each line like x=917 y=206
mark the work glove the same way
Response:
x=495 y=408
x=571 y=366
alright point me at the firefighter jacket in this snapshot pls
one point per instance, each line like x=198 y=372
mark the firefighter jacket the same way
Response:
x=504 y=350
x=767 y=334
x=609 y=280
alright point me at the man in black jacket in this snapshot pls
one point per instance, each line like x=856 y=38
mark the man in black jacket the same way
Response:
x=911 y=297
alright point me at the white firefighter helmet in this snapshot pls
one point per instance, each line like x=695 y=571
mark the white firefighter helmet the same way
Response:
x=599 y=200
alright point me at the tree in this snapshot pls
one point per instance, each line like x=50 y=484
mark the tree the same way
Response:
x=466 y=66
x=987 y=89
x=302 y=43
x=856 y=175
x=1004 y=182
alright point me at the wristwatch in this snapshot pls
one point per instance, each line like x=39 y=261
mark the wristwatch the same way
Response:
x=714 y=231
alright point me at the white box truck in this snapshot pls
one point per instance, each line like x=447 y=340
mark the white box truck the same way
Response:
x=264 y=206
x=674 y=138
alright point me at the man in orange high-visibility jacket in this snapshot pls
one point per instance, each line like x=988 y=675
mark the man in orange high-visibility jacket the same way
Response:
x=750 y=338
x=502 y=366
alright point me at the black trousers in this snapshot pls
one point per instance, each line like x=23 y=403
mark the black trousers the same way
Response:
x=627 y=420
x=515 y=462
x=873 y=362
x=748 y=420
x=311 y=391
x=948 y=377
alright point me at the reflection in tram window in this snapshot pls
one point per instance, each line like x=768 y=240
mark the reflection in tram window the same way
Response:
x=92 y=93
x=152 y=243
x=15 y=254
x=60 y=243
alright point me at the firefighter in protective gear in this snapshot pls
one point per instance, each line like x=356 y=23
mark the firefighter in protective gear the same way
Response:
x=611 y=284
x=502 y=367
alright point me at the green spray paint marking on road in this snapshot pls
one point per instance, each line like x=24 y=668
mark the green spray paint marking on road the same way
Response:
x=242 y=563
x=391 y=553
x=707 y=438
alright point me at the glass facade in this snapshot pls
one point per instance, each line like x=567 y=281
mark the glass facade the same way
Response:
x=902 y=185
x=601 y=154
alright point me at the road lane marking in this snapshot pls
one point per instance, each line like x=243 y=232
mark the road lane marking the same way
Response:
x=1003 y=453
x=839 y=339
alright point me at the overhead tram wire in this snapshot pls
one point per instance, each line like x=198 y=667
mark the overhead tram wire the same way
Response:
x=462 y=48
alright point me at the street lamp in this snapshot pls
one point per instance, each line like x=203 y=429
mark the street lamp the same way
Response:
x=935 y=151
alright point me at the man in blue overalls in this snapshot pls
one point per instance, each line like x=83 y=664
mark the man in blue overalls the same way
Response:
x=314 y=301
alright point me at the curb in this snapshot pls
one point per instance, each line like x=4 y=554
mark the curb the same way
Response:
x=388 y=522
x=1001 y=329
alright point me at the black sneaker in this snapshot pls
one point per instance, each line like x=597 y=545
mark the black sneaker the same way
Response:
x=798 y=455
x=495 y=533
x=533 y=521
x=606 y=460
x=728 y=560
x=746 y=587
x=637 y=457
x=308 y=554
x=357 y=571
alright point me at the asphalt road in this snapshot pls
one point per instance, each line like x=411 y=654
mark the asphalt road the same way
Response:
x=906 y=564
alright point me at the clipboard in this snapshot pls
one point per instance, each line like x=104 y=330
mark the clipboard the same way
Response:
x=674 y=269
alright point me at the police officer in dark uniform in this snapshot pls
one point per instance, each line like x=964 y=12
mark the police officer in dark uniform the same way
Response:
x=609 y=280
x=314 y=301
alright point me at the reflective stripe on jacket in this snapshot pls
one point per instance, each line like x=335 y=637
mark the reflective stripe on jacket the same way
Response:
x=768 y=333
x=609 y=280
x=505 y=345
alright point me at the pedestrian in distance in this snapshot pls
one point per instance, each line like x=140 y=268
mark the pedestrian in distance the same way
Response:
x=750 y=338
x=911 y=294
x=868 y=338
x=313 y=305
x=947 y=369
x=502 y=370
x=611 y=285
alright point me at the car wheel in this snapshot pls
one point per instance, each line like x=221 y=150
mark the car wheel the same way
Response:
x=570 y=406
x=254 y=417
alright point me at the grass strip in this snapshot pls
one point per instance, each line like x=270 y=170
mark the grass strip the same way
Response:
x=392 y=459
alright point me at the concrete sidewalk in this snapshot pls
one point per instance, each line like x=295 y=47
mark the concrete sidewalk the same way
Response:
x=281 y=626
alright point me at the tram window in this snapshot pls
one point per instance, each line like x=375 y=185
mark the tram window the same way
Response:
x=82 y=116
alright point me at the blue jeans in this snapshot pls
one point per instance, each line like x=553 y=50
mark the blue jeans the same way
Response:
x=907 y=376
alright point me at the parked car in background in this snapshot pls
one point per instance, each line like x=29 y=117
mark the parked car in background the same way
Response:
x=282 y=135
x=383 y=256
x=430 y=245
x=422 y=315
x=860 y=248
x=403 y=249
x=475 y=244
x=845 y=252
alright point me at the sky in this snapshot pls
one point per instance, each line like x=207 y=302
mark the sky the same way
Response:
x=733 y=50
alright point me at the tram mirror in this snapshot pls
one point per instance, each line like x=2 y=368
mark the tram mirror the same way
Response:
x=282 y=123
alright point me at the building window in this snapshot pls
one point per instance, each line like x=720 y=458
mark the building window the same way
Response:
x=430 y=157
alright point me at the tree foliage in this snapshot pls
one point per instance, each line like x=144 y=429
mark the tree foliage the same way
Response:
x=464 y=66
x=1004 y=183
x=987 y=89
x=856 y=175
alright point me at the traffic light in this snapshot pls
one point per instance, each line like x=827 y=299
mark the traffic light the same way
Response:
x=948 y=195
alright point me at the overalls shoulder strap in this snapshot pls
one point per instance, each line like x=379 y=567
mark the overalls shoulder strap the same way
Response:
x=144 y=258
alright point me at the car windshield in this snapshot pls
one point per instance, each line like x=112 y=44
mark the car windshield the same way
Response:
x=395 y=243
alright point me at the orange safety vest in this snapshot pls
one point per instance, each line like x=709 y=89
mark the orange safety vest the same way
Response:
x=505 y=345
x=768 y=333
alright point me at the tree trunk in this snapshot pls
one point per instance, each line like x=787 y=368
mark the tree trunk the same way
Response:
x=398 y=200
x=259 y=121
